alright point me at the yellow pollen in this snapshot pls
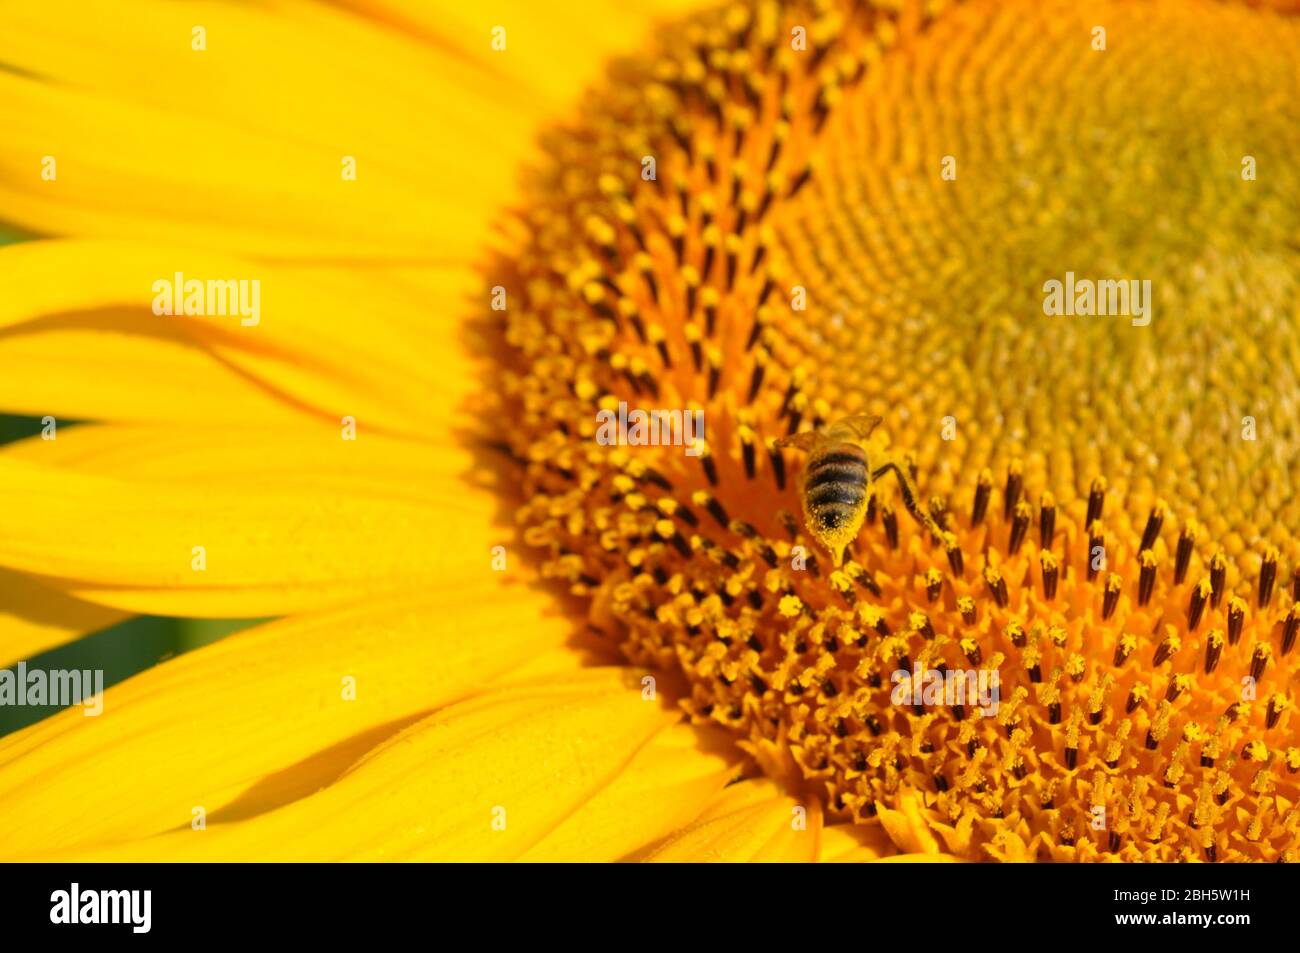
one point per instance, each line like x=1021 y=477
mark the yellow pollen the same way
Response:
x=1110 y=539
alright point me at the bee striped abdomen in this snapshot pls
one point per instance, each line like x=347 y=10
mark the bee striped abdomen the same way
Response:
x=835 y=486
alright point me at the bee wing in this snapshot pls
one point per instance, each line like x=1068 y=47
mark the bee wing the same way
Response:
x=804 y=440
x=861 y=424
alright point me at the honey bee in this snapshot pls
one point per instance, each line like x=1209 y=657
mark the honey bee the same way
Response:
x=837 y=484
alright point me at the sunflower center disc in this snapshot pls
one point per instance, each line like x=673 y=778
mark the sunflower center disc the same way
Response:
x=788 y=215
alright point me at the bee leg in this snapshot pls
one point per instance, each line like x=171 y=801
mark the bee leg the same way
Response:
x=908 y=490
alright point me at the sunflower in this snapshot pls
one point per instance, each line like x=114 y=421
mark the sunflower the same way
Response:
x=498 y=636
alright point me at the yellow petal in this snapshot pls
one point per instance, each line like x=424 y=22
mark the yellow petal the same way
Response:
x=854 y=843
x=549 y=50
x=241 y=146
x=484 y=779
x=257 y=125
x=216 y=185
x=664 y=787
x=123 y=366
x=922 y=859
x=750 y=821
x=363 y=517
x=307 y=455
x=259 y=718
x=315 y=347
x=35 y=618
x=562 y=661
x=906 y=825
